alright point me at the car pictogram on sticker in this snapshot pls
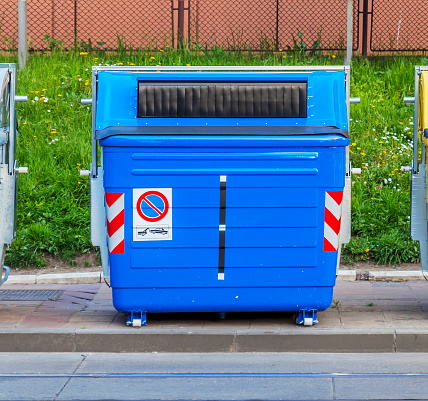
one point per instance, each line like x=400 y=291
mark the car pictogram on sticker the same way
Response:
x=159 y=231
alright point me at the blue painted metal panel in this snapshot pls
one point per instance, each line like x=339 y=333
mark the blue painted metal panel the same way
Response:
x=274 y=219
x=206 y=277
x=228 y=299
x=326 y=98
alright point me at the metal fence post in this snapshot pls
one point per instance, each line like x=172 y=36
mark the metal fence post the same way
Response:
x=22 y=33
x=349 y=37
x=277 y=27
x=180 y=24
x=365 y=27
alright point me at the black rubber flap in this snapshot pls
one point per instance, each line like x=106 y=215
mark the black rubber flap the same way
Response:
x=222 y=100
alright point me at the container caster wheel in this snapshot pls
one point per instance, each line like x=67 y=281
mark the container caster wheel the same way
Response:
x=136 y=319
x=307 y=317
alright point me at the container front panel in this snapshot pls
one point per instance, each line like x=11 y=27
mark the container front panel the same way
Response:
x=269 y=203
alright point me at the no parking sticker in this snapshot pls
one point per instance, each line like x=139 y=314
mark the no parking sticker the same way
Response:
x=152 y=214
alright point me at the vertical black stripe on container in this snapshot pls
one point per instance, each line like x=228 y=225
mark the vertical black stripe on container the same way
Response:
x=222 y=225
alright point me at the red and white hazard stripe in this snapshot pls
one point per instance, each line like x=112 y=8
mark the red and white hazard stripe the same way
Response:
x=332 y=218
x=115 y=212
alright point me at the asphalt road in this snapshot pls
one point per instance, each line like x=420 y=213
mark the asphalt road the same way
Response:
x=215 y=376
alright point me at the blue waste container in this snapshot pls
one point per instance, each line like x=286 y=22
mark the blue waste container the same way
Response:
x=223 y=187
x=8 y=164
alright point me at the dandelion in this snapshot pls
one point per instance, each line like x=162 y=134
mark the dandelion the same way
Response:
x=363 y=154
x=44 y=90
x=59 y=95
x=333 y=56
x=358 y=148
x=36 y=92
x=367 y=250
x=380 y=141
x=24 y=123
x=78 y=182
x=188 y=65
x=83 y=53
x=77 y=164
x=354 y=144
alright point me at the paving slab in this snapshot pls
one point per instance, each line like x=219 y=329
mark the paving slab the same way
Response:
x=364 y=317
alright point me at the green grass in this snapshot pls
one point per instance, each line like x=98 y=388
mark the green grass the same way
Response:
x=55 y=140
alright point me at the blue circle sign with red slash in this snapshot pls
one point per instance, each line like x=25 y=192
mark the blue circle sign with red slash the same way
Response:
x=152 y=206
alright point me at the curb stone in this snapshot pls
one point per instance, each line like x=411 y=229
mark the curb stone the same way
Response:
x=97 y=277
x=411 y=275
x=57 y=278
x=134 y=340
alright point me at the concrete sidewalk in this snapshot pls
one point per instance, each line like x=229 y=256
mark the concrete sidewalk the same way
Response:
x=365 y=317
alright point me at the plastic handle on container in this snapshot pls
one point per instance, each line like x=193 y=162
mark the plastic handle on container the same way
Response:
x=85 y=173
x=6 y=275
x=409 y=99
x=21 y=170
x=406 y=169
x=86 y=101
x=21 y=99
x=355 y=170
x=354 y=100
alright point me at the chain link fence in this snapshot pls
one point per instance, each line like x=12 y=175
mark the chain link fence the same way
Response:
x=399 y=25
x=393 y=25
x=269 y=24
